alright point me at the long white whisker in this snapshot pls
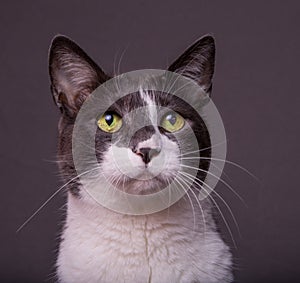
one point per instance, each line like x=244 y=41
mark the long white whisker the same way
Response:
x=218 y=195
x=194 y=216
x=219 y=169
x=51 y=197
x=169 y=194
x=221 y=180
x=223 y=217
x=121 y=58
x=202 y=149
x=199 y=204
x=224 y=160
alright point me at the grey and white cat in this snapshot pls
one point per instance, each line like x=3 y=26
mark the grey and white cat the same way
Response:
x=100 y=245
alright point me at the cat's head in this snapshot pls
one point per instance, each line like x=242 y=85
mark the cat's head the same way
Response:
x=152 y=155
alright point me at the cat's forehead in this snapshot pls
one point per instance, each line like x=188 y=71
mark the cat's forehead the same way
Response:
x=133 y=101
x=149 y=103
x=145 y=99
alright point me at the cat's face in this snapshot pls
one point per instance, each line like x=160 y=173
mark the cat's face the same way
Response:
x=147 y=159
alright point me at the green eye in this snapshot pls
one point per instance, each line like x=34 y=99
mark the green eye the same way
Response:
x=110 y=122
x=172 y=122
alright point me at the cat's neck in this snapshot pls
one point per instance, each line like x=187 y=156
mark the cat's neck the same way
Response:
x=185 y=212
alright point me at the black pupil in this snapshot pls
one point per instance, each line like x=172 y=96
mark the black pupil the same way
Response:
x=171 y=118
x=109 y=118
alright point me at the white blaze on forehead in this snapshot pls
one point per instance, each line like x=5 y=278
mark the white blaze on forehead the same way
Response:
x=152 y=107
x=154 y=142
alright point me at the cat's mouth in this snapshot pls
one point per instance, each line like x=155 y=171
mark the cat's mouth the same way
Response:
x=147 y=183
x=145 y=174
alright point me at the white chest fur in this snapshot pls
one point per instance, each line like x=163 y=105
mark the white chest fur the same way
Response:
x=99 y=245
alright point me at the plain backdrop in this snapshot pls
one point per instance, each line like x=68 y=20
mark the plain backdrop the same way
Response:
x=255 y=89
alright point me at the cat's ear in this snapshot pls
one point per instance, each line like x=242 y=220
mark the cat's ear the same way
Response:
x=197 y=62
x=74 y=75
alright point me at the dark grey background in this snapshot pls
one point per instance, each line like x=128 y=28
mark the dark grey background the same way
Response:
x=255 y=89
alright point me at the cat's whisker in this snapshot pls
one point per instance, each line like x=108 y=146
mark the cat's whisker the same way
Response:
x=169 y=195
x=214 y=165
x=114 y=63
x=117 y=68
x=199 y=204
x=218 y=178
x=123 y=189
x=51 y=197
x=223 y=160
x=121 y=58
x=220 y=170
x=203 y=149
x=222 y=215
x=224 y=219
x=197 y=180
x=190 y=200
x=53 y=161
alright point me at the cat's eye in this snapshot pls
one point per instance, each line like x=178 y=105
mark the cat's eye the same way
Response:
x=172 y=122
x=110 y=122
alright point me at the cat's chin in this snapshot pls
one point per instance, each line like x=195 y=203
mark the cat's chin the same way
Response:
x=143 y=187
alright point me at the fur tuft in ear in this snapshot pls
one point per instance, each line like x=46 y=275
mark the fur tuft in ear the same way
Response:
x=197 y=62
x=74 y=75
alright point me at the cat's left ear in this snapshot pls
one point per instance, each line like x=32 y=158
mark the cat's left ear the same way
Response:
x=74 y=75
x=197 y=62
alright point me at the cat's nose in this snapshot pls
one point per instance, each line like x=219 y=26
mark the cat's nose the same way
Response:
x=147 y=153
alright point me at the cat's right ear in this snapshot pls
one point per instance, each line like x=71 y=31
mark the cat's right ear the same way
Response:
x=74 y=75
x=197 y=62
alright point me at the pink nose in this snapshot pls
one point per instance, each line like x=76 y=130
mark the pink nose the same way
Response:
x=147 y=153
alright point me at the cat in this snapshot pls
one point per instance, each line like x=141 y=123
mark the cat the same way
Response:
x=102 y=245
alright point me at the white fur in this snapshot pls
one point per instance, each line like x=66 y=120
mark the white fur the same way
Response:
x=99 y=245
x=152 y=107
x=122 y=162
